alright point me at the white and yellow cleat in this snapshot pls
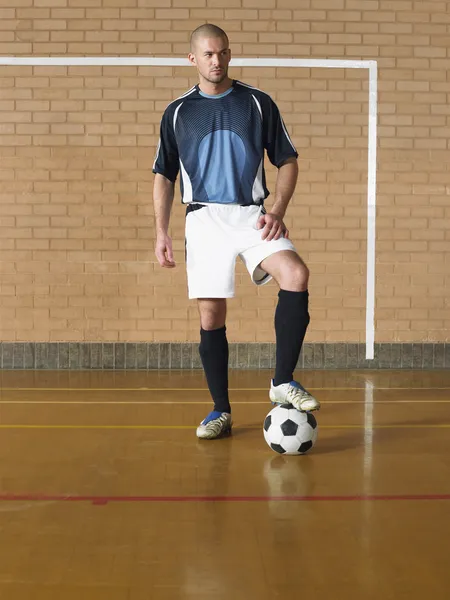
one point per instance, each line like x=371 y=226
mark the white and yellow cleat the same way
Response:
x=293 y=393
x=216 y=424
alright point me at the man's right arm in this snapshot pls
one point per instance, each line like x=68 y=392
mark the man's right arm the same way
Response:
x=163 y=193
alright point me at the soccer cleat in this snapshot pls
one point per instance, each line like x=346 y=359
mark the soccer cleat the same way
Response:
x=216 y=424
x=293 y=393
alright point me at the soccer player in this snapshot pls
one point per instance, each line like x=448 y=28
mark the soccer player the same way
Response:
x=215 y=135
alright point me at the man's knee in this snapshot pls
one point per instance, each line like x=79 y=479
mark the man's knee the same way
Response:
x=293 y=275
x=212 y=313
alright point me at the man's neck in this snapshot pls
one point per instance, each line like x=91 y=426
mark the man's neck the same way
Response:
x=214 y=89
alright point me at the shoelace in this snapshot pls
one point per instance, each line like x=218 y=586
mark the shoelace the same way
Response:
x=216 y=424
x=294 y=392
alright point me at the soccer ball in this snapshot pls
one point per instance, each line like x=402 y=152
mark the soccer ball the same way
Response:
x=289 y=431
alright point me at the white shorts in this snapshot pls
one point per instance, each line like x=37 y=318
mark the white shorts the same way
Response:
x=216 y=235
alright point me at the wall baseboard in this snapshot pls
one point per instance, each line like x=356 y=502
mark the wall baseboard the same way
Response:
x=184 y=355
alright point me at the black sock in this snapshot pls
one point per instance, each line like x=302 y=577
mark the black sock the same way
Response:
x=214 y=354
x=291 y=322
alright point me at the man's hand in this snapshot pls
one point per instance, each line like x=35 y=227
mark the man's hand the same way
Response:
x=273 y=225
x=163 y=251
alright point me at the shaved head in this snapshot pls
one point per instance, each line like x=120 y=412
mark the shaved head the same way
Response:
x=207 y=31
x=210 y=54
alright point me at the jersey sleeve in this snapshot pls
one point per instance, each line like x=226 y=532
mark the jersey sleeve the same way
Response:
x=167 y=160
x=277 y=141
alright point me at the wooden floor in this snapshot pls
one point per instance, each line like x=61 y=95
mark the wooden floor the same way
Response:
x=106 y=493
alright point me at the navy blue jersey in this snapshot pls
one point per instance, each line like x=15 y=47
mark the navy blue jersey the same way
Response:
x=218 y=143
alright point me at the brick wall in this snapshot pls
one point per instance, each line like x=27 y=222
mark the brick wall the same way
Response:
x=77 y=146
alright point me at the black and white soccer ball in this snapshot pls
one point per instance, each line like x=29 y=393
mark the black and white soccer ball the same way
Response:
x=289 y=431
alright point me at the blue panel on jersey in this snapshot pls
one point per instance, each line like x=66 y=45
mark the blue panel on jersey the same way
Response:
x=221 y=157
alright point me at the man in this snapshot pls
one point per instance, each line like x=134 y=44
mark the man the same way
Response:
x=216 y=134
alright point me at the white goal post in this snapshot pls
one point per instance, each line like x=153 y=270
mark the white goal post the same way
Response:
x=370 y=65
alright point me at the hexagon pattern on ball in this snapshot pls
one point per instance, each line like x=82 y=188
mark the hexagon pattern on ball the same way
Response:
x=289 y=431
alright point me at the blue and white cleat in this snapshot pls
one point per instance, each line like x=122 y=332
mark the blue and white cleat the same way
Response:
x=216 y=424
x=293 y=393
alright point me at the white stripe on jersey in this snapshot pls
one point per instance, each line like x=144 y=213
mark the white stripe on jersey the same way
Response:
x=251 y=87
x=287 y=135
x=184 y=95
x=258 y=189
x=282 y=122
x=187 y=185
x=175 y=118
x=157 y=152
x=258 y=105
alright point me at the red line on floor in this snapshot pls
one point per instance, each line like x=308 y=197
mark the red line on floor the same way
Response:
x=102 y=500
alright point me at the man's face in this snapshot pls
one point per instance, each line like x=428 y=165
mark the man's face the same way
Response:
x=211 y=56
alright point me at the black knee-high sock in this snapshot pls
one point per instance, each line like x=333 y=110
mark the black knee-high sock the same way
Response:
x=291 y=322
x=214 y=354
